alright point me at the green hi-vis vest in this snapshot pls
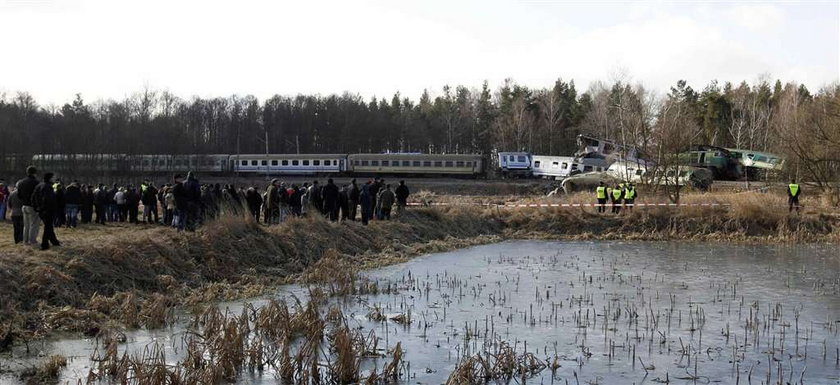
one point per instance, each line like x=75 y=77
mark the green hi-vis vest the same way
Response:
x=616 y=193
x=143 y=187
x=55 y=186
x=601 y=192
x=794 y=189
x=629 y=193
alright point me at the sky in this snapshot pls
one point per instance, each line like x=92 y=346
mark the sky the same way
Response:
x=109 y=49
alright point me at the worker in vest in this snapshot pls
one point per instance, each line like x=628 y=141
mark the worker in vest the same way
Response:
x=601 y=196
x=616 y=194
x=793 y=196
x=629 y=196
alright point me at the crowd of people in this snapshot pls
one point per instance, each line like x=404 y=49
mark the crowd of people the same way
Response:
x=185 y=203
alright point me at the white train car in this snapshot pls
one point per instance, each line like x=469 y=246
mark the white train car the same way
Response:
x=514 y=163
x=204 y=163
x=559 y=167
x=415 y=164
x=289 y=164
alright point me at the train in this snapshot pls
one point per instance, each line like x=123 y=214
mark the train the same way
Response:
x=409 y=164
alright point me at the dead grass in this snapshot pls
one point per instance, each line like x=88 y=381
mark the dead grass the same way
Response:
x=136 y=274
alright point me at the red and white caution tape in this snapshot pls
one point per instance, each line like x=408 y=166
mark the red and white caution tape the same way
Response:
x=537 y=205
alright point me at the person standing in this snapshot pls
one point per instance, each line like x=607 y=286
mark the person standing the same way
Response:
x=601 y=196
x=402 y=196
x=193 y=194
x=150 y=207
x=616 y=195
x=45 y=203
x=386 y=202
x=629 y=196
x=86 y=210
x=132 y=200
x=331 y=200
x=793 y=195
x=272 y=203
x=72 y=203
x=353 y=199
x=182 y=206
x=315 y=199
x=374 y=192
x=343 y=203
x=15 y=207
x=100 y=203
x=4 y=197
x=31 y=222
x=365 y=201
x=254 y=201
x=60 y=216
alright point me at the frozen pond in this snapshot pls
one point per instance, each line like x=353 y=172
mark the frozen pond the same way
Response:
x=590 y=312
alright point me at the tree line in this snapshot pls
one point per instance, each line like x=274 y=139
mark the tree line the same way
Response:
x=784 y=118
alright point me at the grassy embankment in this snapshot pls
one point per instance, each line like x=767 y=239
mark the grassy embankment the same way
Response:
x=132 y=276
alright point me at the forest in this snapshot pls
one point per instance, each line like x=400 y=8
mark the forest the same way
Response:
x=783 y=118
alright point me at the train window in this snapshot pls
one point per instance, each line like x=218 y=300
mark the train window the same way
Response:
x=639 y=172
x=438 y=164
x=565 y=165
x=274 y=162
x=244 y=163
x=385 y=163
x=146 y=162
x=355 y=162
x=536 y=164
x=406 y=163
x=295 y=162
x=179 y=162
x=253 y=163
x=316 y=162
x=448 y=163
x=374 y=163
x=459 y=163
x=469 y=164
x=264 y=163
x=416 y=163
x=365 y=163
x=306 y=163
x=587 y=168
x=511 y=158
x=520 y=158
x=284 y=162
x=427 y=163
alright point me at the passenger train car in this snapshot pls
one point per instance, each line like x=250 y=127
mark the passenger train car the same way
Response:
x=416 y=164
x=559 y=167
x=469 y=165
x=513 y=164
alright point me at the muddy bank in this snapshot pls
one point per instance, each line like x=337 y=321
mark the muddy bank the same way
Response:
x=134 y=281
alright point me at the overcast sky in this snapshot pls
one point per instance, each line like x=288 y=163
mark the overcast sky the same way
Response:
x=111 y=48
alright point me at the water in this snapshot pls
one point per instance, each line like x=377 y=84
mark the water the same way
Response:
x=603 y=312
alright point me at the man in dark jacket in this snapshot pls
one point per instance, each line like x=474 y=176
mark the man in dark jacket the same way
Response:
x=254 y=201
x=353 y=199
x=100 y=203
x=150 y=207
x=132 y=201
x=87 y=204
x=331 y=200
x=25 y=187
x=43 y=199
x=193 y=195
x=402 y=196
x=182 y=202
x=72 y=204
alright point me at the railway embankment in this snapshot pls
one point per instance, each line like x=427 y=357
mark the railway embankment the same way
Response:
x=130 y=276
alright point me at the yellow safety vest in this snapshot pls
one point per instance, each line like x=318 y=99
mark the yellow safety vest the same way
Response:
x=629 y=193
x=601 y=192
x=616 y=193
x=794 y=189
